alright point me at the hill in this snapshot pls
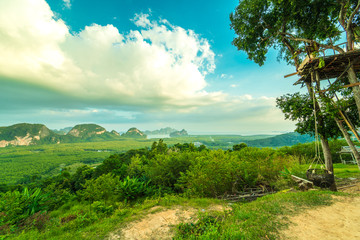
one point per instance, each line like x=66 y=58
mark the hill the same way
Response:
x=134 y=133
x=92 y=132
x=162 y=131
x=86 y=130
x=181 y=133
x=25 y=134
x=287 y=139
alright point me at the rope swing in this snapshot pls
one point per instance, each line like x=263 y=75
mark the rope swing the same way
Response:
x=317 y=158
x=321 y=177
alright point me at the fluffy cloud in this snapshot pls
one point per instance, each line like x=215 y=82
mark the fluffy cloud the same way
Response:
x=67 y=4
x=158 y=65
x=50 y=74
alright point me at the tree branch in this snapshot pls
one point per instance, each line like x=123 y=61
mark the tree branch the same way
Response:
x=356 y=10
x=291 y=37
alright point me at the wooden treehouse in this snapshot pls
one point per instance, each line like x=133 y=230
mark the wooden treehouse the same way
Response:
x=334 y=66
x=316 y=69
x=312 y=71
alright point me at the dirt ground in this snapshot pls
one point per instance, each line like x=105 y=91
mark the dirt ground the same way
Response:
x=339 y=221
x=158 y=225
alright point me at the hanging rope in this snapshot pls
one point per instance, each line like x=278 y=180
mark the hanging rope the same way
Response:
x=317 y=159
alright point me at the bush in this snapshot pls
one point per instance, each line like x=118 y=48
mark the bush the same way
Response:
x=217 y=172
x=101 y=208
x=164 y=170
x=16 y=206
x=132 y=188
x=207 y=227
x=101 y=188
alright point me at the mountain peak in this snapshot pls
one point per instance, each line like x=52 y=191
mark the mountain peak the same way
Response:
x=134 y=133
x=86 y=130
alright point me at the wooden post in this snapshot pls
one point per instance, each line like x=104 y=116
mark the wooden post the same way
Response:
x=303 y=183
x=349 y=142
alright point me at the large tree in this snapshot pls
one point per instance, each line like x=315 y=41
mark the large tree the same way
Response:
x=300 y=108
x=297 y=28
x=291 y=26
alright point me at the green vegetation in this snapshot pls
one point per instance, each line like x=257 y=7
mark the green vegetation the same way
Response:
x=88 y=203
x=256 y=220
x=25 y=162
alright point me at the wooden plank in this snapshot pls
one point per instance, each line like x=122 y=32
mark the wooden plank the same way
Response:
x=292 y=74
x=345 y=86
x=303 y=183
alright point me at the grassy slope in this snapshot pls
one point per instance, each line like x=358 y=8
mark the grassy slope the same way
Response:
x=261 y=219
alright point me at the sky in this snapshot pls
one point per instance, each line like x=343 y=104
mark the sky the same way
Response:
x=126 y=63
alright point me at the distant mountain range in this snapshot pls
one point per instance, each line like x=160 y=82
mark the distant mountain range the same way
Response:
x=181 y=133
x=162 y=131
x=25 y=134
x=286 y=139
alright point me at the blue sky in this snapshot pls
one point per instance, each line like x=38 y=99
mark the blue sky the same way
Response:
x=148 y=64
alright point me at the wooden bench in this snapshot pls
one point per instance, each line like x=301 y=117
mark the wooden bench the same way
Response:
x=347 y=150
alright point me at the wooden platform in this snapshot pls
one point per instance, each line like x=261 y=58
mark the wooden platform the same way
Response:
x=335 y=65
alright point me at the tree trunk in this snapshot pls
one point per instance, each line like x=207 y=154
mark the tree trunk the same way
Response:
x=355 y=89
x=328 y=160
x=349 y=142
x=327 y=154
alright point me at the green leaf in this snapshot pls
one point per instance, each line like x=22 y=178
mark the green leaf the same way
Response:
x=321 y=63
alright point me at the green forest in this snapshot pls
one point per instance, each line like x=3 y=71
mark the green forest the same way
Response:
x=93 y=184
x=80 y=199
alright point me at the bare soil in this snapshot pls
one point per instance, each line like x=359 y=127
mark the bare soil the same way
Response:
x=338 y=221
x=159 y=224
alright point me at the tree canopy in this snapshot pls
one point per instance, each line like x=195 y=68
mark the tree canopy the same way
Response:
x=290 y=25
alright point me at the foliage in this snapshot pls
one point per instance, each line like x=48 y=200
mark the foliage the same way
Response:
x=16 y=206
x=101 y=188
x=218 y=172
x=133 y=188
x=207 y=227
x=50 y=160
x=299 y=107
x=263 y=24
x=305 y=153
x=239 y=146
x=165 y=169
x=90 y=203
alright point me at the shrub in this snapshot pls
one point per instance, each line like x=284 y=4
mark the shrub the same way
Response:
x=217 y=172
x=16 y=206
x=164 y=170
x=101 y=188
x=101 y=208
x=207 y=227
x=132 y=188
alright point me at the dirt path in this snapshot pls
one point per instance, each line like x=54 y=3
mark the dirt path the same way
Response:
x=158 y=224
x=339 y=221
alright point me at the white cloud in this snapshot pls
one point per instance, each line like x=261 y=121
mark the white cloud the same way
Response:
x=158 y=65
x=67 y=4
